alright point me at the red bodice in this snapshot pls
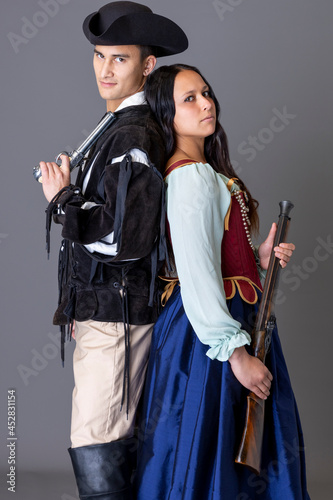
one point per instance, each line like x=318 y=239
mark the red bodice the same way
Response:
x=239 y=268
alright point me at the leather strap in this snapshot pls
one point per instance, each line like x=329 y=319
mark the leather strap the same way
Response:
x=177 y=164
x=231 y=181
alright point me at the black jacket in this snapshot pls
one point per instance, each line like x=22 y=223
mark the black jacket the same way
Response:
x=129 y=197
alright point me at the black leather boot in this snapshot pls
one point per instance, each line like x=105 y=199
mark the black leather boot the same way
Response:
x=103 y=471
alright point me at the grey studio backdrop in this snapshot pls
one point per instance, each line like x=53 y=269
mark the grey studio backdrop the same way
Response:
x=269 y=62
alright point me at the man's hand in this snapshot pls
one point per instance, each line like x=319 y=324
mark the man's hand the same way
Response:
x=73 y=329
x=54 y=177
x=251 y=372
x=283 y=252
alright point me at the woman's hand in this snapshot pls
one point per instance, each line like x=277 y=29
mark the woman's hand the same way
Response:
x=54 y=178
x=251 y=372
x=283 y=252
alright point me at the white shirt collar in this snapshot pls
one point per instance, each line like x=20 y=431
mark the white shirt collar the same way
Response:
x=133 y=100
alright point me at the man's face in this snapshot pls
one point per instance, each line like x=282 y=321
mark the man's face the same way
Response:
x=120 y=72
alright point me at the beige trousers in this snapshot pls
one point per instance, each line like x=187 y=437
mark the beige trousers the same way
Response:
x=98 y=365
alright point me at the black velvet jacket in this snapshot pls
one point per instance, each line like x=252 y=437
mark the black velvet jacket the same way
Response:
x=129 y=198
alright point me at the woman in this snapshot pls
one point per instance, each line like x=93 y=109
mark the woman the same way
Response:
x=195 y=399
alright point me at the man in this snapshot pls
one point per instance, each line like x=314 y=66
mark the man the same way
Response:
x=113 y=244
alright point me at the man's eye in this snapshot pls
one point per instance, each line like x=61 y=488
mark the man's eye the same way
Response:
x=100 y=56
x=119 y=59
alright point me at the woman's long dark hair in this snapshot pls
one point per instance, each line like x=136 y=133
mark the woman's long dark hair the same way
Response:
x=159 y=89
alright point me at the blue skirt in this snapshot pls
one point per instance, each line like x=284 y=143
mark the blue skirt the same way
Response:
x=193 y=417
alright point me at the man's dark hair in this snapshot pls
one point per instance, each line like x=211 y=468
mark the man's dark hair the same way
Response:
x=146 y=50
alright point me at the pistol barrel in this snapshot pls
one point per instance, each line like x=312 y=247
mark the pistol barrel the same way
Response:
x=77 y=155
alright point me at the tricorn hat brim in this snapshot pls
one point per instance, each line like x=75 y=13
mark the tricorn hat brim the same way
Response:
x=136 y=28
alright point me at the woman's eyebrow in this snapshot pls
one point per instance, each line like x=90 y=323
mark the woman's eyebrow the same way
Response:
x=205 y=87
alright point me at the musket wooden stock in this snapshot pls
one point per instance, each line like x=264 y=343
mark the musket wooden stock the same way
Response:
x=249 y=452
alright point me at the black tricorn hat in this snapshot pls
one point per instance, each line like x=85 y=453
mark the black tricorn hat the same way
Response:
x=130 y=23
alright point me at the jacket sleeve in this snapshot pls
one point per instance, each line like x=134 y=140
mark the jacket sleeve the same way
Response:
x=105 y=246
x=132 y=210
x=197 y=202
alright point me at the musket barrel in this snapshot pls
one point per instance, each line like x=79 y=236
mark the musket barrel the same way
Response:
x=273 y=269
x=249 y=451
x=285 y=208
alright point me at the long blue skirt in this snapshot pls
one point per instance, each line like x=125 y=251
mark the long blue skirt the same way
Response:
x=193 y=417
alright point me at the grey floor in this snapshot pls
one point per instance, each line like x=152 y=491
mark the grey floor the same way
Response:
x=61 y=486
x=42 y=486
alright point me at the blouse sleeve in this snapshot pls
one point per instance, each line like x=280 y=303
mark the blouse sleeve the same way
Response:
x=197 y=202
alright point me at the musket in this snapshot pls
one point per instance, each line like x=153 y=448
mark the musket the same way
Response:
x=76 y=157
x=249 y=452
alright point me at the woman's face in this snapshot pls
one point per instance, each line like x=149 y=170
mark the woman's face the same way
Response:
x=195 y=116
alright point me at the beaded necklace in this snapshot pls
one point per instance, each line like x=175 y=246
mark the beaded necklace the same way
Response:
x=244 y=213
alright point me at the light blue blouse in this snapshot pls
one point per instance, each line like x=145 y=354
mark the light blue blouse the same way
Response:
x=197 y=202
